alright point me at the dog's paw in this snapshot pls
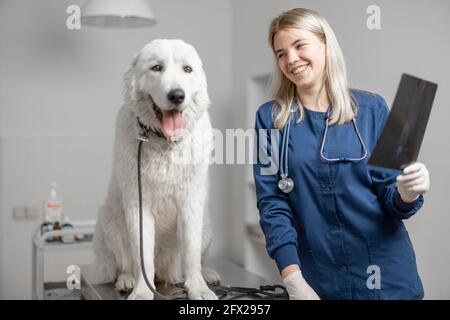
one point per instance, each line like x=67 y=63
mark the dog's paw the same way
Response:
x=203 y=293
x=211 y=276
x=198 y=290
x=140 y=295
x=125 y=283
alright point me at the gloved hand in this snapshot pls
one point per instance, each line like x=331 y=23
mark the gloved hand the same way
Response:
x=414 y=181
x=298 y=288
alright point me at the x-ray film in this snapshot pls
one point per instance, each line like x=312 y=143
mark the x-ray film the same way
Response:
x=400 y=141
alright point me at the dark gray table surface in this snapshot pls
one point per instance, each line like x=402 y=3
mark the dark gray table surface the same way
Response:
x=230 y=273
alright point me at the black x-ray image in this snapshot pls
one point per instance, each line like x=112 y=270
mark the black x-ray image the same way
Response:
x=400 y=141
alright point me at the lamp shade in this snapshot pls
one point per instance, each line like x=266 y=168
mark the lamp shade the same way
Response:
x=117 y=13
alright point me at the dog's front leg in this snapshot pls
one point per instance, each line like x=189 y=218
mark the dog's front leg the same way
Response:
x=141 y=290
x=191 y=216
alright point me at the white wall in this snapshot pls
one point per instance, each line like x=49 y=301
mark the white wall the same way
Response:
x=413 y=39
x=81 y=166
x=1 y=205
x=60 y=90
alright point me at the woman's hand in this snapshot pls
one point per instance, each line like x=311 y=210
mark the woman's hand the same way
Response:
x=414 y=181
x=298 y=288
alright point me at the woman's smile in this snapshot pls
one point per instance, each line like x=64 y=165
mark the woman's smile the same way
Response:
x=299 y=69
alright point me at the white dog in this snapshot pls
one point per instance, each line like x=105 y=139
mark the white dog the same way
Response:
x=166 y=100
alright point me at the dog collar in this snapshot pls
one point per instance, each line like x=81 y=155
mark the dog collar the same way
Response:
x=145 y=131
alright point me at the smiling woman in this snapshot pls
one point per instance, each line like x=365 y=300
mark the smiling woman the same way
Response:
x=310 y=60
x=329 y=218
x=301 y=57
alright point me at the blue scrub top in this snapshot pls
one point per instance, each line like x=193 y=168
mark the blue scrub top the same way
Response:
x=343 y=218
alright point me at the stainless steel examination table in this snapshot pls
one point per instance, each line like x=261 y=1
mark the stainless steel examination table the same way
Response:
x=230 y=273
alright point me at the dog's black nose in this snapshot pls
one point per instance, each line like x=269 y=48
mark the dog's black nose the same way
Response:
x=176 y=96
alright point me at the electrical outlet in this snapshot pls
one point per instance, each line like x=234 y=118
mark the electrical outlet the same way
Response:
x=32 y=213
x=25 y=213
x=19 y=213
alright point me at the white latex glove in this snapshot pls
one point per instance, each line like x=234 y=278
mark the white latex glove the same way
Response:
x=414 y=181
x=298 y=288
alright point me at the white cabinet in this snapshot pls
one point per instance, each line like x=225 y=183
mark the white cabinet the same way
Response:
x=40 y=247
x=256 y=257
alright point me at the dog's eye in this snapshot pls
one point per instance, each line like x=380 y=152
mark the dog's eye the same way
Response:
x=187 y=69
x=157 y=68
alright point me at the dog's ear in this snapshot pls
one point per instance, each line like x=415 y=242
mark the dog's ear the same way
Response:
x=129 y=77
x=132 y=63
x=135 y=59
x=201 y=97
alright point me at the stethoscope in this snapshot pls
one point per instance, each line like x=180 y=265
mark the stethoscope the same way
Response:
x=285 y=183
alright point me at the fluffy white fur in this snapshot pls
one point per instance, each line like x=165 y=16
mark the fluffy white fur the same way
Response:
x=176 y=222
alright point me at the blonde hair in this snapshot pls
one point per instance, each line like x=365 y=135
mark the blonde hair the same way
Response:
x=335 y=74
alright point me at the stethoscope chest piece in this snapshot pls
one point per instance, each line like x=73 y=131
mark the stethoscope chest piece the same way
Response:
x=286 y=184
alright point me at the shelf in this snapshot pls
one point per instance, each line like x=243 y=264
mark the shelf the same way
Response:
x=56 y=246
x=40 y=246
x=59 y=291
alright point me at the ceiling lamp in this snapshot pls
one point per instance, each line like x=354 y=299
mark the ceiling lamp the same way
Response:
x=117 y=14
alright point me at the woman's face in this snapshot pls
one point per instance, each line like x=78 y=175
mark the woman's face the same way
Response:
x=301 y=56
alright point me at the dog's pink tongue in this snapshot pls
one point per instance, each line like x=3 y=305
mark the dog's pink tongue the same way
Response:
x=172 y=122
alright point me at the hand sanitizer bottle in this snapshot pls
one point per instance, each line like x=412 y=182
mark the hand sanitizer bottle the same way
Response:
x=53 y=208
